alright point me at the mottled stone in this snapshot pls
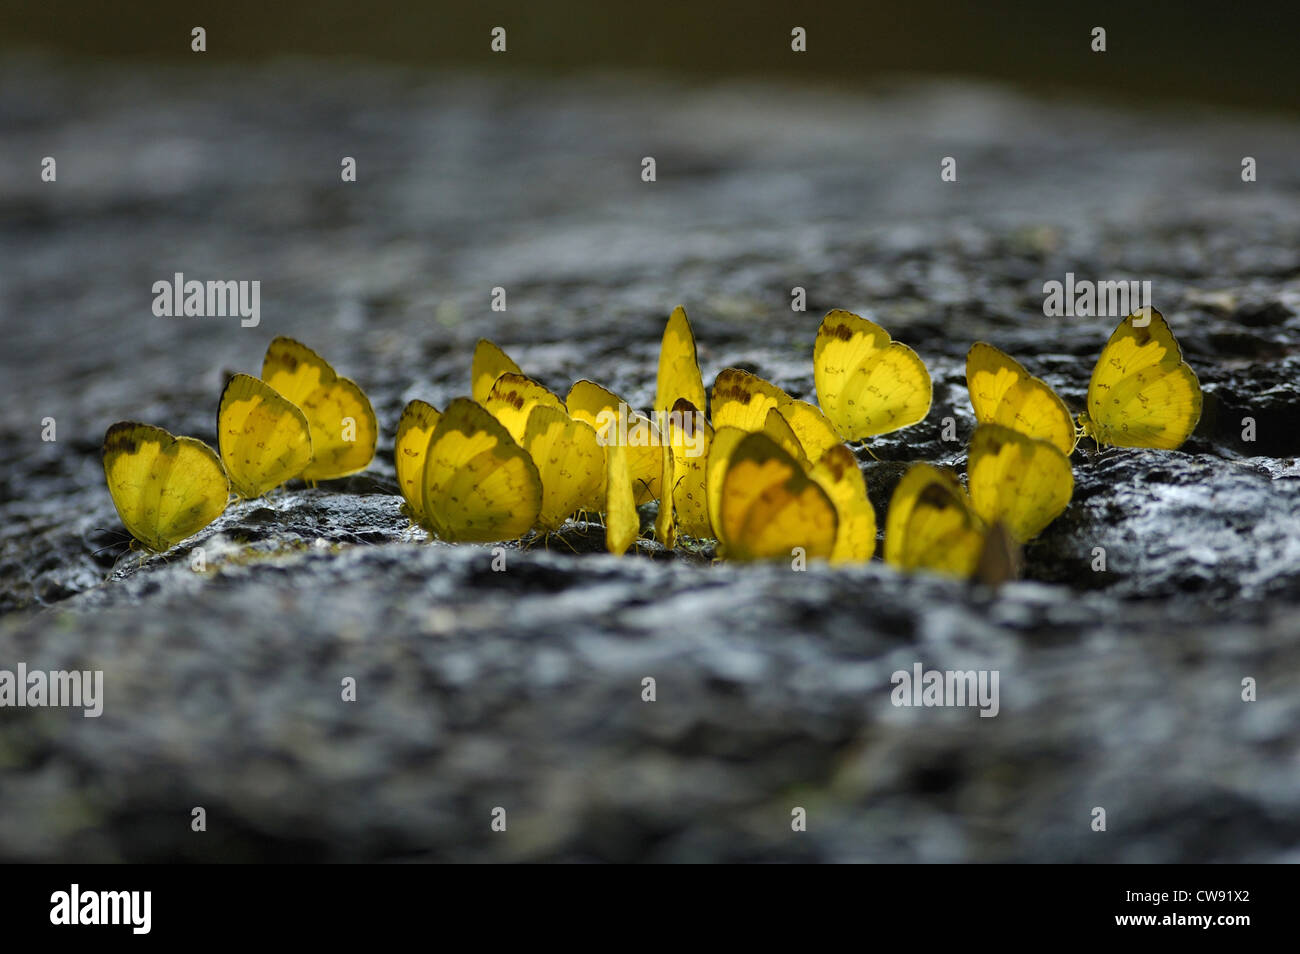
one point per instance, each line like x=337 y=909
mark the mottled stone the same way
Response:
x=522 y=689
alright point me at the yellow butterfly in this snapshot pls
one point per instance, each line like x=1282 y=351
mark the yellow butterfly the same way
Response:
x=511 y=400
x=489 y=363
x=342 y=422
x=622 y=525
x=665 y=522
x=1142 y=393
x=778 y=428
x=838 y=474
x=1003 y=392
x=679 y=367
x=742 y=400
x=815 y=432
x=411 y=449
x=1016 y=480
x=721 y=445
x=931 y=524
x=478 y=485
x=690 y=436
x=570 y=463
x=264 y=438
x=867 y=383
x=767 y=505
x=599 y=407
x=165 y=488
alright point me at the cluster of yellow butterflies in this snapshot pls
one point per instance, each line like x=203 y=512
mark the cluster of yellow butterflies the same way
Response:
x=764 y=474
x=300 y=419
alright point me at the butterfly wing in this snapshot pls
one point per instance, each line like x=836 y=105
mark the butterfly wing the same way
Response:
x=725 y=440
x=838 y=474
x=1142 y=392
x=814 y=430
x=570 y=463
x=264 y=439
x=666 y=521
x=488 y=364
x=479 y=486
x=622 y=525
x=770 y=505
x=679 y=367
x=411 y=448
x=867 y=384
x=931 y=524
x=344 y=430
x=1018 y=481
x=165 y=488
x=691 y=438
x=599 y=407
x=512 y=398
x=742 y=400
x=1003 y=392
x=778 y=428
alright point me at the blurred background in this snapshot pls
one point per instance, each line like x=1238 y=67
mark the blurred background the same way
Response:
x=1195 y=49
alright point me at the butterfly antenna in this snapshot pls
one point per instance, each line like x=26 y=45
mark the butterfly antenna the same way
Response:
x=867 y=447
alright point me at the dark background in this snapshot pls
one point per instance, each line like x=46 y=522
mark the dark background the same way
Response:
x=1237 y=54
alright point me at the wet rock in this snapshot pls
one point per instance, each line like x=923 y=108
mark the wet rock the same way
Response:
x=1121 y=686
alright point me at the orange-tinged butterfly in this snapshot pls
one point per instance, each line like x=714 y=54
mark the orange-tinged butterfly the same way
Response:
x=931 y=524
x=768 y=506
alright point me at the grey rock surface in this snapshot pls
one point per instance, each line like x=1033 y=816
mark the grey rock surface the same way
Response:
x=522 y=689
